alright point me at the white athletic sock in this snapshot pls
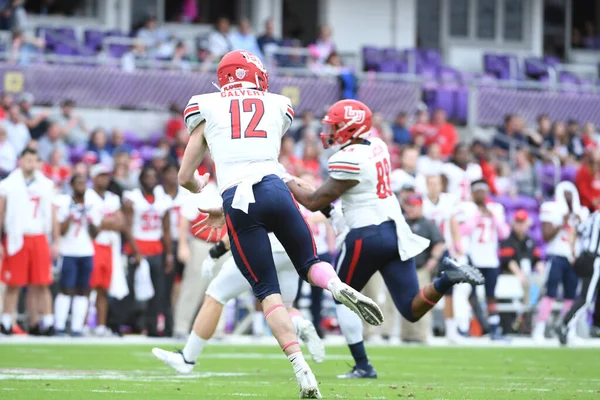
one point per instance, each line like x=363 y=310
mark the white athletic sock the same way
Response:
x=62 y=305
x=350 y=324
x=48 y=321
x=451 y=328
x=296 y=319
x=298 y=361
x=258 y=323
x=193 y=347
x=6 y=321
x=80 y=308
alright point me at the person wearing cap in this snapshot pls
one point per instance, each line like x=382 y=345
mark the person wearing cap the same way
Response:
x=519 y=256
x=486 y=226
x=38 y=124
x=107 y=244
x=426 y=262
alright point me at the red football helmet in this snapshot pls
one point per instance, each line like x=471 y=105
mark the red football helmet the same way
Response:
x=347 y=120
x=242 y=69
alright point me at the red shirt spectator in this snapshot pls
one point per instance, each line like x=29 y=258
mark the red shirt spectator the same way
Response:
x=175 y=123
x=587 y=181
x=310 y=161
x=445 y=134
x=422 y=127
x=59 y=174
x=480 y=150
x=588 y=134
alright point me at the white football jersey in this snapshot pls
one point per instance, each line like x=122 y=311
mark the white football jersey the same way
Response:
x=372 y=201
x=109 y=205
x=554 y=213
x=441 y=213
x=175 y=211
x=483 y=240
x=33 y=217
x=243 y=131
x=459 y=180
x=147 y=217
x=77 y=242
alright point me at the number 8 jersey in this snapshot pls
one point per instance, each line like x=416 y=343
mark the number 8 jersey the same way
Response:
x=372 y=201
x=243 y=131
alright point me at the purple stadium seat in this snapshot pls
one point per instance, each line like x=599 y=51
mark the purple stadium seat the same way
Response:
x=133 y=139
x=461 y=104
x=155 y=138
x=63 y=49
x=507 y=201
x=93 y=38
x=551 y=60
x=147 y=153
x=568 y=173
x=371 y=58
x=67 y=32
x=76 y=153
x=431 y=57
x=527 y=203
x=536 y=235
x=391 y=53
x=117 y=50
x=535 y=67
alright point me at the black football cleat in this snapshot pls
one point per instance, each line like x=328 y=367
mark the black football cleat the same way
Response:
x=461 y=273
x=51 y=331
x=35 y=330
x=5 y=331
x=562 y=331
x=358 y=373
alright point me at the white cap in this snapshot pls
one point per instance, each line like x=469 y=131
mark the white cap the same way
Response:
x=99 y=169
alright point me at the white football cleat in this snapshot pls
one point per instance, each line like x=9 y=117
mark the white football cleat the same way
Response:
x=309 y=388
x=360 y=304
x=174 y=360
x=314 y=344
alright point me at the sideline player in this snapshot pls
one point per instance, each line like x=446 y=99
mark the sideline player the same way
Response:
x=243 y=125
x=379 y=237
x=79 y=221
x=486 y=226
x=108 y=238
x=28 y=215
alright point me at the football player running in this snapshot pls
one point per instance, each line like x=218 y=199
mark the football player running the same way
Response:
x=379 y=237
x=242 y=125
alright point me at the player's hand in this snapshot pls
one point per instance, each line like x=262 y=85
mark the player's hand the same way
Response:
x=137 y=259
x=169 y=263
x=208 y=267
x=201 y=181
x=55 y=250
x=214 y=220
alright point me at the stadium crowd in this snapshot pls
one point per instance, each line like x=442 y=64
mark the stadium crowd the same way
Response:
x=422 y=146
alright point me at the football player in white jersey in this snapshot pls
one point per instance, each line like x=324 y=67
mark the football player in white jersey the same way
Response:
x=459 y=172
x=559 y=223
x=169 y=187
x=486 y=226
x=242 y=125
x=106 y=244
x=79 y=221
x=149 y=236
x=379 y=237
x=441 y=208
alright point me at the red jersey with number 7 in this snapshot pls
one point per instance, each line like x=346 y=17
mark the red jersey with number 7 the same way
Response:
x=371 y=201
x=243 y=131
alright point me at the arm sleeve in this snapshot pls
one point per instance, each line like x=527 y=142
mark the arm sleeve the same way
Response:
x=192 y=114
x=344 y=167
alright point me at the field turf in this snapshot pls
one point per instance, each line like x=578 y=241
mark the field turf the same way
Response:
x=65 y=372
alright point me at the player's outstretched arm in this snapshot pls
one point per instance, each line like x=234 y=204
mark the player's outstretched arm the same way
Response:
x=192 y=157
x=319 y=199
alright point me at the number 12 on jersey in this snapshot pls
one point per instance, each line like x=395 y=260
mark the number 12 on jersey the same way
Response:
x=254 y=106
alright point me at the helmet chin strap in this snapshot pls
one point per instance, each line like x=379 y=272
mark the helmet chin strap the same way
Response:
x=217 y=86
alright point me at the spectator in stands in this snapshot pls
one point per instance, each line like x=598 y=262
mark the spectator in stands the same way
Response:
x=122 y=173
x=323 y=46
x=445 y=133
x=589 y=137
x=117 y=142
x=295 y=59
x=268 y=40
x=8 y=155
x=57 y=170
x=175 y=122
x=519 y=255
x=333 y=65
x=380 y=128
x=18 y=15
x=575 y=143
x=539 y=137
x=399 y=128
x=7 y=101
x=310 y=158
x=98 y=144
x=18 y=134
x=524 y=177
x=180 y=58
x=24 y=49
x=589 y=38
x=178 y=146
x=155 y=38
x=308 y=127
x=561 y=144
x=422 y=128
x=587 y=181
x=218 y=41
x=292 y=164
x=432 y=162
x=37 y=125
x=509 y=135
x=137 y=54
x=243 y=39
x=407 y=174
x=51 y=141
x=483 y=157
x=74 y=129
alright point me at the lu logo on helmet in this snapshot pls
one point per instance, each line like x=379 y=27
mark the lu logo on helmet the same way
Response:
x=251 y=58
x=358 y=116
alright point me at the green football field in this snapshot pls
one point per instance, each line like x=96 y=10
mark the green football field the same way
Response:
x=35 y=371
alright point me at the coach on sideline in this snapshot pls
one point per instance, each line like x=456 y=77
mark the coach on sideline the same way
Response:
x=426 y=262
